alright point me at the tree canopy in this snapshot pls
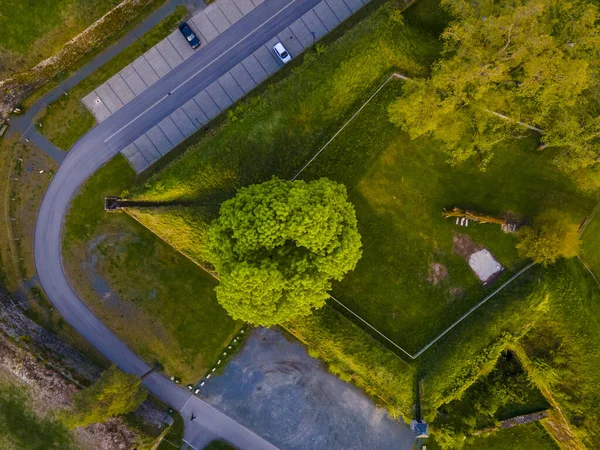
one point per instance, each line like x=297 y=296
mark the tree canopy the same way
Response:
x=115 y=393
x=276 y=246
x=553 y=235
x=508 y=66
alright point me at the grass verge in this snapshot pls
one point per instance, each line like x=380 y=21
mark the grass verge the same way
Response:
x=158 y=302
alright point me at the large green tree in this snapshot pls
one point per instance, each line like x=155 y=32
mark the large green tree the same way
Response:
x=508 y=66
x=276 y=246
x=115 y=393
x=552 y=236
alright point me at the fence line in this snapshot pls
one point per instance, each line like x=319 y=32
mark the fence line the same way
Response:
x=394 y=75
x=372 y=327
x=465 y=315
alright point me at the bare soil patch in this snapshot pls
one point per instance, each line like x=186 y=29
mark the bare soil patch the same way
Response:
x=437 y=273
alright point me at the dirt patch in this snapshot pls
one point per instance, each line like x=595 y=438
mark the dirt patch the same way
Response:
x=464 y=245
x=437 y=273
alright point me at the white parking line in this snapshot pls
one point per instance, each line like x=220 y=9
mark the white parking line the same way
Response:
x=198 y=71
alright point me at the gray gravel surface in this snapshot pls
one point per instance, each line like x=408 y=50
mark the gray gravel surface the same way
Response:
x=273 y=387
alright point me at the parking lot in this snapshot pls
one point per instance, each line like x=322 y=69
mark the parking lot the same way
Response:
x=208 y=24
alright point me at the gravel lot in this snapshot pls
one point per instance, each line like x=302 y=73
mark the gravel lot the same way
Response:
x=274 y=388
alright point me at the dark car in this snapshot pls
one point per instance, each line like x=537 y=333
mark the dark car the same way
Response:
x=189 y=35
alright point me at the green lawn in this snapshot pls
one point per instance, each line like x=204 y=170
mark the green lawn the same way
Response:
x=163 y=305
x=21 y=427
x=399 y=188
x=31 y=30
x=67 y=119
x=523 y=437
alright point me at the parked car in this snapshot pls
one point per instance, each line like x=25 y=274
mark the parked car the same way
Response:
x=282 y=53
x=189 y=35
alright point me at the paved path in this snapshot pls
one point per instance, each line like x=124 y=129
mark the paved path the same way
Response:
x=24 y=124
x=98 y=147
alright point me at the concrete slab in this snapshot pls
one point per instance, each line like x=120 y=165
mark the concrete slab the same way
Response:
x=354 y=5
x=181 y=44
x=157 y=62
x=195 y=114
x=133 y=80
x=96 y=106
x=257 y=2
x=183 y=122
x=135 y=158
x=205 y=27
x=326 y=15
x=160 y=141
x=230 y=10
x=243 y=78
x=109 y=98
x=255 y=69
x=314 y=24
x=120 y=88
x=167 y=51
x=245 y=6
x=339 y=8
x=219 y=95
x=207 y=104
x=147 y=148
x=302 y=33
x=174 y=135
x=233 y=89
x=267 y=58
x=217 y=17
x=290 y=42
x=144 y=70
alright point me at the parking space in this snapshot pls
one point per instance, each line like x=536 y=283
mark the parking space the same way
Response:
x=326 y=15
x=172 y=51
x=290 y=42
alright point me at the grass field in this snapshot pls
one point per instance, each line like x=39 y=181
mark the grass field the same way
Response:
x=67 y=119
x=160 y=303
x=22 y=427
x=523 y=437
x=32 y=30
x=399 y=188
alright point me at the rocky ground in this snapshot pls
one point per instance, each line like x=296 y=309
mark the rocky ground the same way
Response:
x=52 y=372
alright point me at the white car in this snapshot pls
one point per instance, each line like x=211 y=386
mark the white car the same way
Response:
x=282 y=53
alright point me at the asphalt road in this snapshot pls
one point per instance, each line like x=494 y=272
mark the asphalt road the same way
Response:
x=98 y=147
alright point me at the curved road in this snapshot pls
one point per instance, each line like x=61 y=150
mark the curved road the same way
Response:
x=98 y=147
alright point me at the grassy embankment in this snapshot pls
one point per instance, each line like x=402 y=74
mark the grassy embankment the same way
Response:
x=71 y=36
x=31 y=31
x=25 y=172
x=67 y=119
x=22 y=428
x=161 y=304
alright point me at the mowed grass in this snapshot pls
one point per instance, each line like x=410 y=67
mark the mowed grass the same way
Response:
x=400 y=188
x=66 y=120
x=163 y=305
x=530 y=436
x=31 y=30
